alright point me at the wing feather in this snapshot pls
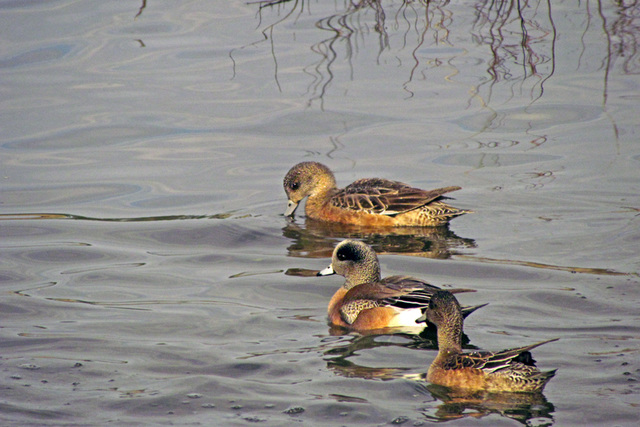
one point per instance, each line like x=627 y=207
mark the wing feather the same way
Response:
x=385 y=197
x=491 y=362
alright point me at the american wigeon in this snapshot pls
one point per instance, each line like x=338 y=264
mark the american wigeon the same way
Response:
x=367 y=302
x=368 y=201
x=508 y=370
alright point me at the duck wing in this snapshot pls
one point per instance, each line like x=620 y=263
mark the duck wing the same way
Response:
x=381 y=294
x=402 y=292
x=407 y=292
x=415 y=293
x=490 y=362
x=385 y=197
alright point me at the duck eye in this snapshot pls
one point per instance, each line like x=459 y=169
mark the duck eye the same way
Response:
x=294 y=185
x=348 y=252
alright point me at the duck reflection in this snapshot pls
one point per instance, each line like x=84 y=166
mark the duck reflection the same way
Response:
x=457 y=404
x=346 y=368
x=318 y=238
x=365 y=339
x=337 y=357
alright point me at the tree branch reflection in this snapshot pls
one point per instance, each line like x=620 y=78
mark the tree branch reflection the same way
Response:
x=516 y=39
x=498 y=25
x=520 y=34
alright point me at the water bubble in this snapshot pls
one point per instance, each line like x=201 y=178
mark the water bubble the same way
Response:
x=29 y=366
x=294 y=411
x=400 y=420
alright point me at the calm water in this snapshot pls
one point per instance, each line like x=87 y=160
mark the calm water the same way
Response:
x=149 y=277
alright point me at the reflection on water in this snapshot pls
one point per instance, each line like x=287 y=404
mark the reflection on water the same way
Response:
x=518 y=41
x=585 y=270
x=338 y=356
x=317 y=239
x=36 y=216
x=349 y=369
x=427 y=339
x=142 y=7
x=521 y=39
x=456 y=404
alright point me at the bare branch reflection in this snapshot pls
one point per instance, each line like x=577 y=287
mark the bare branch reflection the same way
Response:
x=498 y=24
x=515 y=39
x=142 y=7
x=424 y=28
x=623 y=35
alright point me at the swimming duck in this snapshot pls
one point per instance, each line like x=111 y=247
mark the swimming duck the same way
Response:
x=508 y=370
x=368 y=201
x=366 y=301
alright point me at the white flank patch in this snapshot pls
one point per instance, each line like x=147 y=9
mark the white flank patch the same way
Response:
x=406 y=317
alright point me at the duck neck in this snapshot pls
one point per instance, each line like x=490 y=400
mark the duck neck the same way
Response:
x=319 y=200
x=325 y=186
x=450 y=335
x=367 y=275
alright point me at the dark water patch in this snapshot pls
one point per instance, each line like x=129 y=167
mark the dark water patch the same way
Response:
x=146 y=29
x=584 y=301
x=16 y=413
x=84 y=137
x=584 y=270
x=9 y=231
x=310 y=123
x=37 y=56
x=222 y=235
x=57 y=195
x=61 y=255
x=496 y=160
x=37 y=216
x=531 y=118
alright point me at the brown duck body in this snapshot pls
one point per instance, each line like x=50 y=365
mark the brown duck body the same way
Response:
x=505 y=371
x=367 y=302
x=375 y=305
x=369 y=315
x=369 y=201
x=487 y=371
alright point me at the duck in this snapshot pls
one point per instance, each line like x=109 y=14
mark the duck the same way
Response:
x=367 y=302
x=368 y=201
x=510 y=370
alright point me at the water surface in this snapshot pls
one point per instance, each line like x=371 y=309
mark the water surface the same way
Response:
x=149 y=277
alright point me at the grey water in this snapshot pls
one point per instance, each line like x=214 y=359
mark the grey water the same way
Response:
x=148 y=276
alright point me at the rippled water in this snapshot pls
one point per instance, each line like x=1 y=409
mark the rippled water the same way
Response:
x=149 y=277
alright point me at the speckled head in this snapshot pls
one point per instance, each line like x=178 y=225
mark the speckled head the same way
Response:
x=306 y=179
x=356 y=261
x=443 y=308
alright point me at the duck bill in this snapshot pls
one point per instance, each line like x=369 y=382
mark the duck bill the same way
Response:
x=327 y=271
x=291 y=208
x=423 y=318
